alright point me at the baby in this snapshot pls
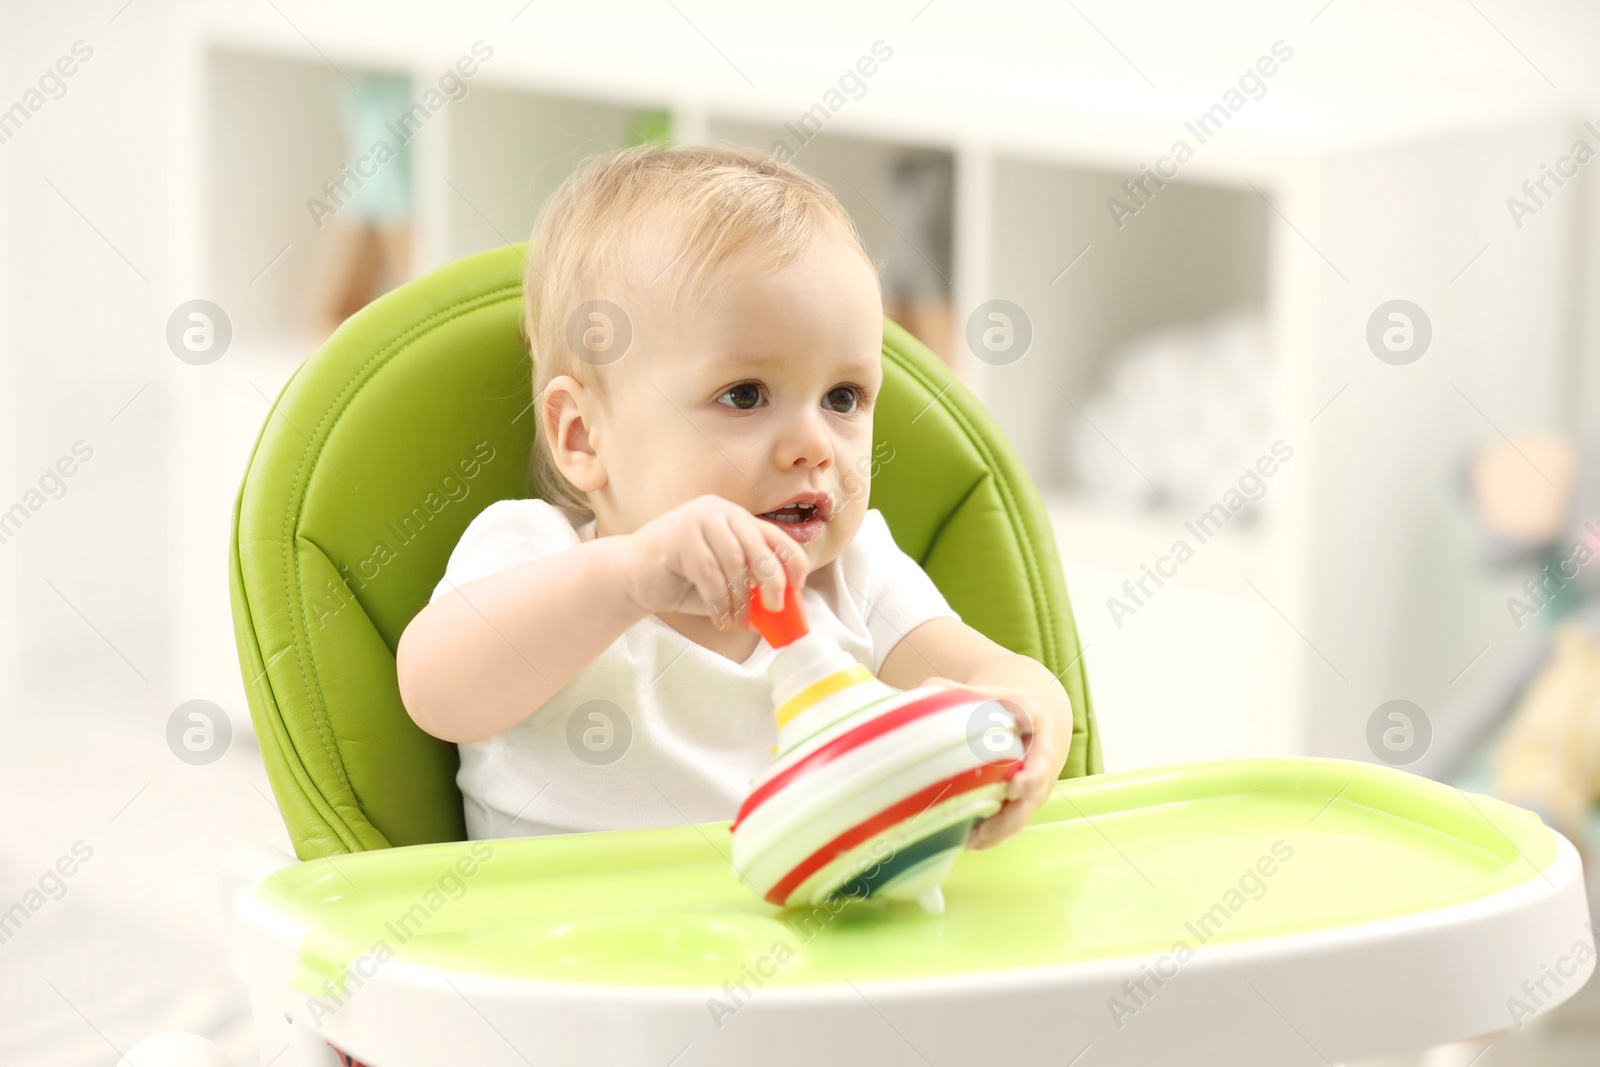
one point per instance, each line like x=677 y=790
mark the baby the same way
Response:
x=706 y=331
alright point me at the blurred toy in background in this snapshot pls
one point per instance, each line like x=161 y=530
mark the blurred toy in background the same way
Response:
x=367 y=250
x=1182 y=411
x=916 y=280
x=1539 y=498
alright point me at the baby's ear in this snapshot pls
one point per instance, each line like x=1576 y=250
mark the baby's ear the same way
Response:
x=567 y=410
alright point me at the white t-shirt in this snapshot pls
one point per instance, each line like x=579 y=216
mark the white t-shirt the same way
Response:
x=659 y=730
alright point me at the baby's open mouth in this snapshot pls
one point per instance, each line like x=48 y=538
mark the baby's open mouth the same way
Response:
x=793 y=513
x=803 y=518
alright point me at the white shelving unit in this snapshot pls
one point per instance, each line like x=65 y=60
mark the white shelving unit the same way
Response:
x=274 y=138
x=509 y=150
x=1282 y=635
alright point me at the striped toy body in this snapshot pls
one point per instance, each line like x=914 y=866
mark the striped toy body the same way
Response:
x=874 y=788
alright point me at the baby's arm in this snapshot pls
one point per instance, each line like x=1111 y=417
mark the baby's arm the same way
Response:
x=484 y=656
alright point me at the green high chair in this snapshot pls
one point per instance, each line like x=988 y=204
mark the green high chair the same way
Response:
x=414 y=417
x=1265 y=912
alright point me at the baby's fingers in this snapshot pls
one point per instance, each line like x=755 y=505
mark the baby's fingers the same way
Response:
x=788 y=552
x=1011 y=817
x=720 y=577
x=763 y=564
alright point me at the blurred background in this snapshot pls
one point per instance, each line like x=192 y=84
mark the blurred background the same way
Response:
x=1289 y=309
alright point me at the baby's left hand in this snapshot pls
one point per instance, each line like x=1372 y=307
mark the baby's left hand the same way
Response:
x=1043 y=757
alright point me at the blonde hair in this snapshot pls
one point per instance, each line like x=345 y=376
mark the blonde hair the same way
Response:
x=593 y=241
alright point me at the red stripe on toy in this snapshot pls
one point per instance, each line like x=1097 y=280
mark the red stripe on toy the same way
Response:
x=966 y=781
x=857 y=737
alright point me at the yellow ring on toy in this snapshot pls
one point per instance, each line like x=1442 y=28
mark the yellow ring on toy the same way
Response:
x=821 y=690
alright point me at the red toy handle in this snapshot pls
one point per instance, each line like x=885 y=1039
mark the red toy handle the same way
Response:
x=782 y=626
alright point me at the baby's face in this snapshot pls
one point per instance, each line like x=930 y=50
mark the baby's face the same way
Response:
x=765 y=398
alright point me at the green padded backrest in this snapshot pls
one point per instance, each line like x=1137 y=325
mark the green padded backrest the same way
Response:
x=413 y=418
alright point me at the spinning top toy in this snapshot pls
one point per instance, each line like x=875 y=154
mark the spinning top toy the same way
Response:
x=874 y=789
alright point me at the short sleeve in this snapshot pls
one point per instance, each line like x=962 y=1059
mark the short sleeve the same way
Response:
x=504 y=534
x=899 y=594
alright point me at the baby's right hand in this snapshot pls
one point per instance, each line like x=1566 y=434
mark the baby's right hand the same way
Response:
x=701 y=557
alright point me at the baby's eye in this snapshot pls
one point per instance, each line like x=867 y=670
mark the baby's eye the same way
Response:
x=744 y=391
x=842 y=399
